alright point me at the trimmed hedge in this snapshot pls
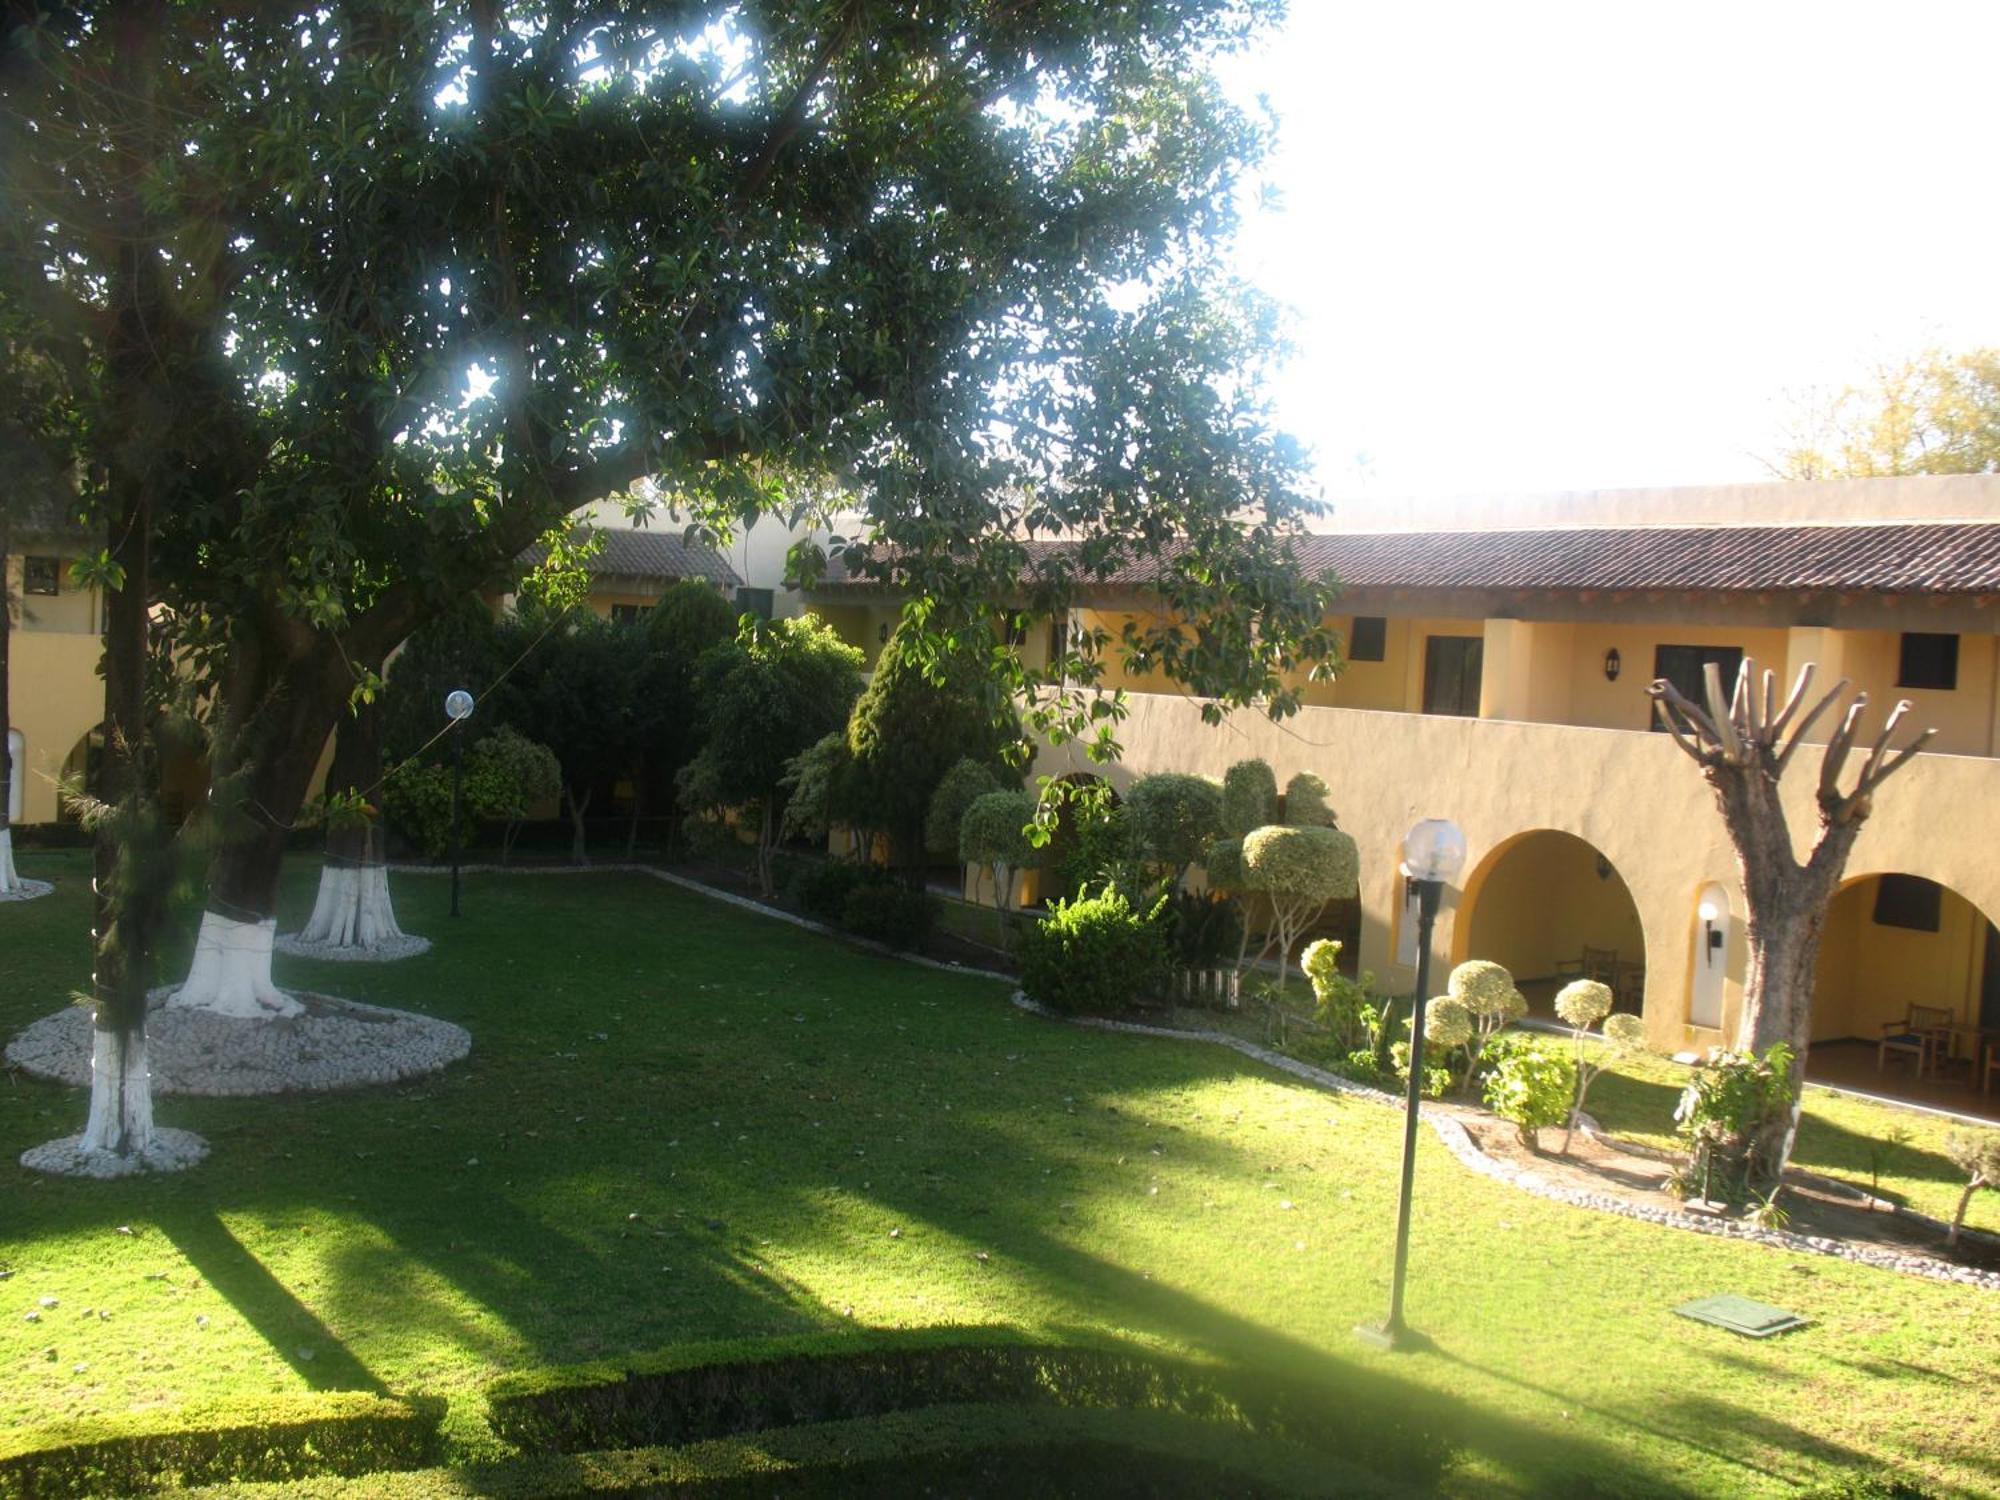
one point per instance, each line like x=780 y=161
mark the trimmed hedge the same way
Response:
x=701 y=1392
x=345 y=1432
x=1005 y=1452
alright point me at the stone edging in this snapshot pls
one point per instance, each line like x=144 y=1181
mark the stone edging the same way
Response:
x=1452 y=1132
x=26 y=890
x=1449 y=1130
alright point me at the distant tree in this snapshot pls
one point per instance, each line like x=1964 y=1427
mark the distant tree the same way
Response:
x=516 y=776
x=917 y=719
x=1932 y=413
x=574 y=694
x=766 y=697
x=691 y=617
x=811 y=788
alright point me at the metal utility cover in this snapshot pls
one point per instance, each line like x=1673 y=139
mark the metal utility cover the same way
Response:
x=1755 y=1320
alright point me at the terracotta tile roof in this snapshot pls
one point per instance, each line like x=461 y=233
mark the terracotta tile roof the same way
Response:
x=652 y=554
x=1892 y=557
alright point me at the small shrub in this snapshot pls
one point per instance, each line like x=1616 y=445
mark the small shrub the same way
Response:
x=1437 y=1080
x=1299 y=870
x=1206 y=930
x=888 y=912
x=1530 y=1087
x=1725 y=1114
x=1095 y=953
x=823 y=886
x=1346 y=1007
x=1488 y=993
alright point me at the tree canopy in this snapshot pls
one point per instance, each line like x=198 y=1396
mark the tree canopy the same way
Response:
x=1934 y=412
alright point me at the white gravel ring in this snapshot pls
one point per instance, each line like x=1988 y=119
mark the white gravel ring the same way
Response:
x=26 y=890
x=332 y=1044
x=171 y=1151
x=408 y=945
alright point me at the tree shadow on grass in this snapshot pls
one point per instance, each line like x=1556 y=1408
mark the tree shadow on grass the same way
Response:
x=294 y=1332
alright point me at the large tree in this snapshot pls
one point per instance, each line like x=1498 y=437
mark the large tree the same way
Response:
x=465 y=266
x=1933 y=412
x=1744 y=741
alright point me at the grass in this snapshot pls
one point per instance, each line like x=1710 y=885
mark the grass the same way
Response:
x=684 y=1122
x=1839 y=1136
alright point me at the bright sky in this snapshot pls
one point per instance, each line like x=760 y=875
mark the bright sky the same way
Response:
x=1541 y=246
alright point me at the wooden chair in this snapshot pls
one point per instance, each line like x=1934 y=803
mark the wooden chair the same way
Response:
x=1920 y=1034
x=1600 y=964
x=1992 y=1067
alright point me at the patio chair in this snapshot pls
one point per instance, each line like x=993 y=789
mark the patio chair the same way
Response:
x=1600 y=964
x=1920 y=1034
x=1992 y=1066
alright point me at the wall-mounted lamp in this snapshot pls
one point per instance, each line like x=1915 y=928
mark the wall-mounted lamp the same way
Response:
x=1613 y=664
x=1711 y=938
x=882 y=634
x=1603 y=868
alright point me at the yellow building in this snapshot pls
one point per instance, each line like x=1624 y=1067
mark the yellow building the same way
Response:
x=1496 y=675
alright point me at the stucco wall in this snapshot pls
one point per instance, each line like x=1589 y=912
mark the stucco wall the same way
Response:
x=1631 y=795
x=55 y=699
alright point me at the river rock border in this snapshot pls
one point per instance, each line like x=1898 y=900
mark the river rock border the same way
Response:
x=1449 y=1130
x=171 y=1151
x=26 y=890
x=334 y=1044
x=393 y=951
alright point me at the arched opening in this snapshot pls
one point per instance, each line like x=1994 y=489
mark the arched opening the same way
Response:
x=1551 y=908
x=1067 y=859
x=183 y=782
x=1902 y=955
x=83 y=768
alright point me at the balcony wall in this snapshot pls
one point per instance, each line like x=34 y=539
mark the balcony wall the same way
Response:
x=1631 y=795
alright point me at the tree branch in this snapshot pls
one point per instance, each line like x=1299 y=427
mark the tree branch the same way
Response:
x=1793 y=700
x=1837 y=750
x=792 y=118
x=1711 y=681
x=1811 y=718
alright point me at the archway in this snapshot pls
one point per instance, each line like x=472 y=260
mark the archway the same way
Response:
x=1895 y=941
x=1708 y=963
x=1550 y=907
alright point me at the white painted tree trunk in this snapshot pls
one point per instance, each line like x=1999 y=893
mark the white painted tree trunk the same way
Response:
x=231 y=972
x=10 y=880
x=353 y=909
x=121 y=1094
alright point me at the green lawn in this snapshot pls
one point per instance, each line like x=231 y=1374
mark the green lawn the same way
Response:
x=773 y=1108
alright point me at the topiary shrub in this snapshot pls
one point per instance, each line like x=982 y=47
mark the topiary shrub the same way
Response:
x=1488 y=993
x=964 y=784
x=1299 y=870
x=1581 y=1004
x=1176 y=817
x=1094 y=954
x=1530 y=1087
x=1249 y=798
x=887 y=911
x=1345 y=1007
x=1305 y=802
x=994 y=836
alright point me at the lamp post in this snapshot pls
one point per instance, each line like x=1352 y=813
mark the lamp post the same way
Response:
x=1433 y=852
x=457 y=708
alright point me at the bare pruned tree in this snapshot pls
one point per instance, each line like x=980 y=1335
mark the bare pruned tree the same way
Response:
x=1743 y=745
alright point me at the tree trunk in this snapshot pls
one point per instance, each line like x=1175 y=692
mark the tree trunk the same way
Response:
x=578 y=855
x=353 y=911
x=9 y=881
x=766 y=838
x=282 y=705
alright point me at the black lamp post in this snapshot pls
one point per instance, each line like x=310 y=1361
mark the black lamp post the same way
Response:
x=457 y=708
x=1433 y=852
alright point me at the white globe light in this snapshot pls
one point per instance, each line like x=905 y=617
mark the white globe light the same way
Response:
x=1434 y=850
x=458 y=704
x=1709 y=911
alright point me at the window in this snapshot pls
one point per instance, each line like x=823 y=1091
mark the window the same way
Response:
x=1682 y=666
x=1059 y=637
x=1929 y=660
x=1909 y=901
x=1367 y=637
x=626 y=614
x=1451 y=674
x=41 y=575
x=754 y=602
